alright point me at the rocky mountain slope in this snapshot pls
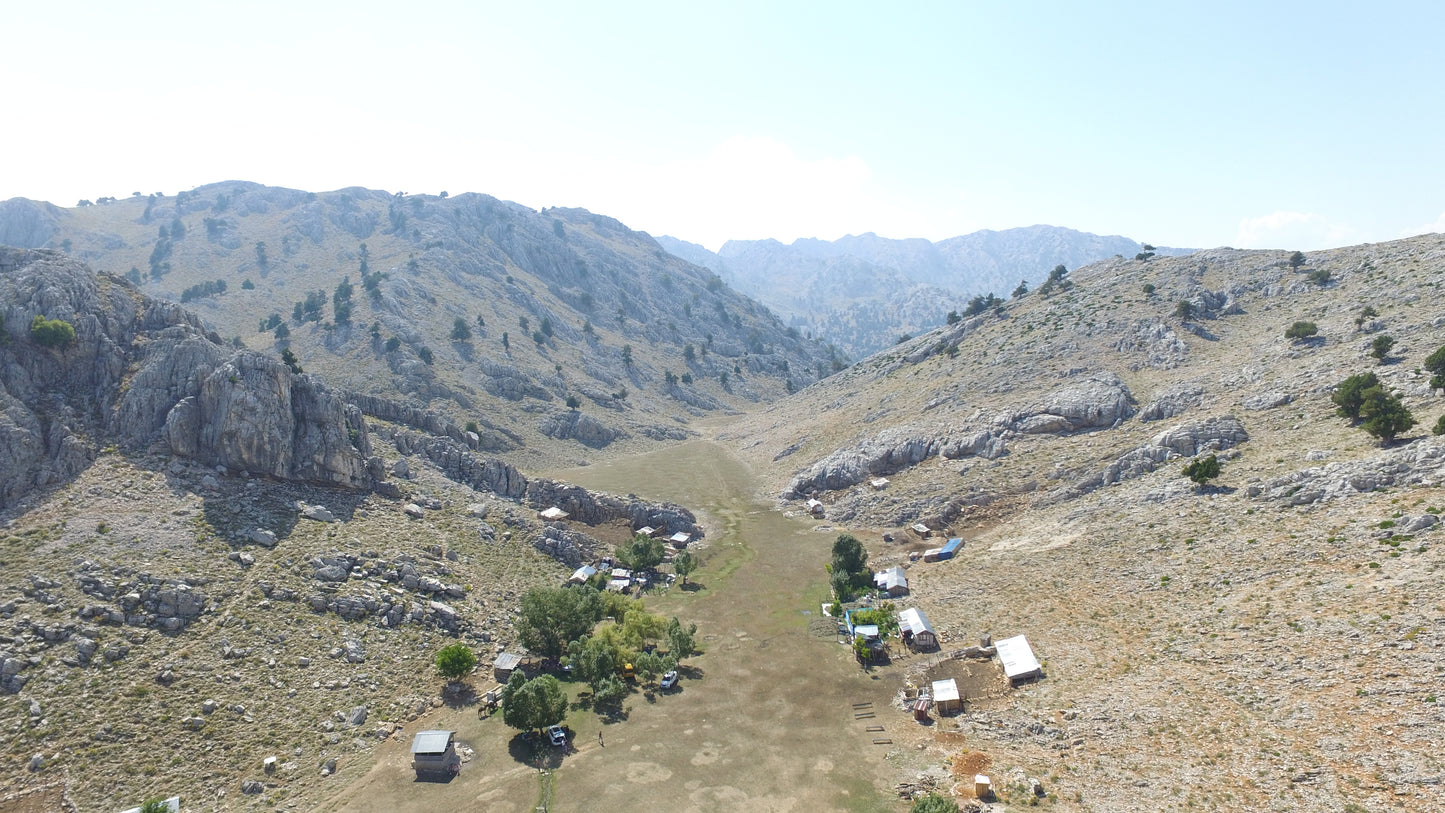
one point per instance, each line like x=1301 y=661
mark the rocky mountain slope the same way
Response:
x=549 y=335
x=1269 y=641
x=863 y=292
x=194 y=534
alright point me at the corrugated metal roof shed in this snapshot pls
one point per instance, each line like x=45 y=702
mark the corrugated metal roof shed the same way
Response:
x=891 y=579
x=431 y=742
x=507 y=661
x=913 y=620
x=583 y=573
x=680 y=538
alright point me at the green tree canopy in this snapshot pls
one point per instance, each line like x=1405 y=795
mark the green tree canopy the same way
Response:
x=51 y=332
x=849 y=555
x=1383 y=414
x=1381 y=346
x=456 y=661
x=1435 y=363
x=461 y=332
x=1349 y=394
x=155 y=805
x=681 y=641
x=684 y=564
x=642 y=553
x=1439 y=426
x=1301 y=330
x=933 y=803
x=532 y=705
x=1202 y=469
x=289 y=358
x=552 y=617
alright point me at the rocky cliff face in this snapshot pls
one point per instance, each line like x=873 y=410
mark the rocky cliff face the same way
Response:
x=141 y=370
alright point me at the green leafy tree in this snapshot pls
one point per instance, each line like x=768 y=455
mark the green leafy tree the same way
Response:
x=289 y=359
x=552 y=617
x=1381 y=346
x=1320 y=276
x=1439 y=426
x=1435 y=363
x=456 y=661
x=155 y=805
x=642 y=553
x=627 y=356
x=1184 y=309
x=248 y=285
x=532 y=705
x=681 y=641
x=573 y=402
x=1366 y=314
x=261 y=258
x=594 y=659
x=1384 y=415
x=849 y=555
x=51 y=332
x=953 y=317
x=933 y=803
x=1301 y=330
x=282 y=332
x=1349 y=394
x=842 y=584
x=1148 y=289
x=1022 y=290
x=1202 y=469
x=684 y=564
x=425 y=354
x=461 y=332
x=1296 y=260
x=506 y=341
x=393 y=344
x=546 y=327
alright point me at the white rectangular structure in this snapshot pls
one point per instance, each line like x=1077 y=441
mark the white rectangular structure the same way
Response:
x=1018 y=658
x=945 y=695
x=554 y=514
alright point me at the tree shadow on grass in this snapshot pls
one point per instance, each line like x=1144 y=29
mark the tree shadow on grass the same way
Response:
x=528 y=748
x=458 y=695
x=692 y=587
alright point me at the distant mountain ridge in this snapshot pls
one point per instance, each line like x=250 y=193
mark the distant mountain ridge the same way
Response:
x=550 y=333
x=863 y=291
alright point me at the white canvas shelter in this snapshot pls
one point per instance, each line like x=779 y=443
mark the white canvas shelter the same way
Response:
x=554 y=514
x=1018 y=658
x=945 y=695
x=583 y=573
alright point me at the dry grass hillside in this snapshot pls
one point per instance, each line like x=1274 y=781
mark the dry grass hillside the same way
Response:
x=1270 y=642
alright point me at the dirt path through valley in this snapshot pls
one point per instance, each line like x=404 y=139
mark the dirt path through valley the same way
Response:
x=763 y=721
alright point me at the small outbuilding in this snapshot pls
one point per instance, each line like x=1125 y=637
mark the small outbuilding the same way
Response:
x=949 y=549
x=921 y=529
x=619 y=585
x=680 y=539
x=506 y=663
x=868 y=632
x=582 y=574
x=435 y=752
x=917 y=633
x=647 y=531
x=1018 y=659
x=554 y=514
x=878 y=483
x=815 y=508
x=892 y=581
x=931 y=555
x=945 y=696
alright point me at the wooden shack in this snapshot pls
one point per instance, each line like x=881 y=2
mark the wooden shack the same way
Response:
x=945 y=696
x=506 y=663
x=915 y=630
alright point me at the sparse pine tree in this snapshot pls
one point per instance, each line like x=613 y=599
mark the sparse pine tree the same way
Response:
x=1384 y=415
x=460 y=331
x=1349 y=394
x=1202 y=469
x=290 y=360
x=1380 y=347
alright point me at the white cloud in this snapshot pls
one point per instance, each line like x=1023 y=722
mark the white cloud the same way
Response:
x=1436 y=227
x=1296 y=230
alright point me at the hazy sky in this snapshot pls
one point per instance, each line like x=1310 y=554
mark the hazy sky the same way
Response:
x=1285 y=124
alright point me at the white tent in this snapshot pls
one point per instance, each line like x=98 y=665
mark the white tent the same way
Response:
x=1018 y=658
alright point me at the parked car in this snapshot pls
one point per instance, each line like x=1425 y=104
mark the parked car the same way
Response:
x=669 y=679
x=557 y=736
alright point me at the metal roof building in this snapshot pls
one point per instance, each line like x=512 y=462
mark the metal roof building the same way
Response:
x=1018 y=658
x=916 y=630
x=945 y=696
x=893 y=580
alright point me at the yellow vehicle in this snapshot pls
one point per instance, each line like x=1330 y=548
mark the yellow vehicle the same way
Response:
x=628 y=672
